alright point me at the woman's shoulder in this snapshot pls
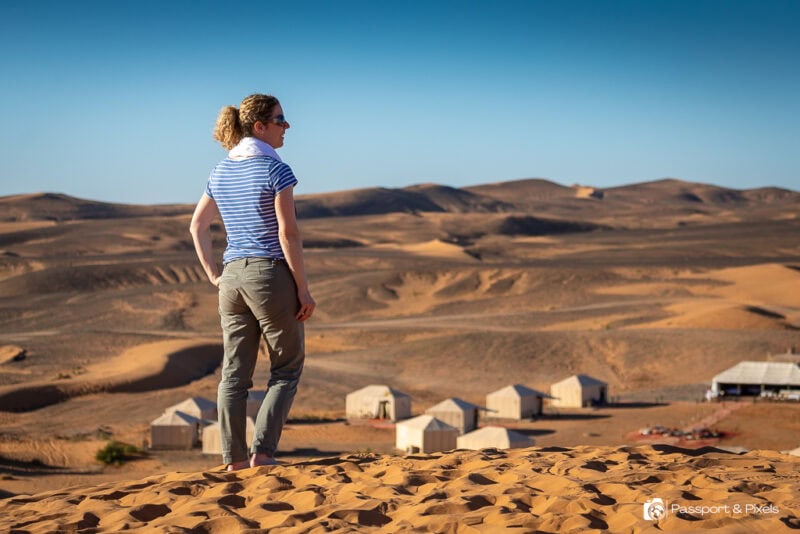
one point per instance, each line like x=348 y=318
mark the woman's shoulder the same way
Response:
x=277 y=166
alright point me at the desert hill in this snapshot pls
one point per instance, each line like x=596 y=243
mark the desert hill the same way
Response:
x=674 y=191
x=523 y=191
x=438 y=291
x=414 y=199
x=668 y=196
x=665 y=200
x=60 y=207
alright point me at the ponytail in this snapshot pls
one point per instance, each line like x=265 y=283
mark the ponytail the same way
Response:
x=228 y=129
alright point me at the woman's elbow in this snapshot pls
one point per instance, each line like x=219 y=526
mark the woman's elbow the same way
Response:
x=196 y=227
x=288 y=234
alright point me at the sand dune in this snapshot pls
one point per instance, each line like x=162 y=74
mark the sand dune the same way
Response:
x=98 y=276
x=434 y=248
x=587 y=192
x=769 y=284
x=148 y=367
x=755 y=297
x=702 y=314
x=11 y=353
x=542 y=489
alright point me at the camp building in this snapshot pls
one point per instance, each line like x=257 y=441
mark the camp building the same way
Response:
x=515 y=402
x=426 y=434
x=456 y=412
x=757 y=378
x=174 y=430
x=378 y=402
x=578 y=391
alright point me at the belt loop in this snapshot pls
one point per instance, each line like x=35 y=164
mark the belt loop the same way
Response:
x=246 y=261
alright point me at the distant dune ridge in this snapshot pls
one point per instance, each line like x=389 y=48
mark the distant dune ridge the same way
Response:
x=60 y=207
x=414 y=199
x=515 y=196
x=439 y=292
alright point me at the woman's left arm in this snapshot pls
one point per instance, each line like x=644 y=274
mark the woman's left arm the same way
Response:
x=200 y=228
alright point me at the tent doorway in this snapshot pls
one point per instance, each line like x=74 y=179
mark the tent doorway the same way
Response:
x=383 y=410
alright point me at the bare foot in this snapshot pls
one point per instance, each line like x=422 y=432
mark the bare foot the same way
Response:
x=235 y=466
x=259 y=459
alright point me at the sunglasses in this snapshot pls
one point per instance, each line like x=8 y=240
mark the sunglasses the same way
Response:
x=280 y=120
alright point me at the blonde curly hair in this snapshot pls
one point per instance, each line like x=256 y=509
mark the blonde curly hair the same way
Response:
x=235 y=124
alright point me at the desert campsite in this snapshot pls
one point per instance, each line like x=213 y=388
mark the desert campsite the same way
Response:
x=417 y=305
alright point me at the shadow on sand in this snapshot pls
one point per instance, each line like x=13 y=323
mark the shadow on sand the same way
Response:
x=671 y=449
x=14 y=468
x=571 y=416
x=534 y=431
x=623 y=405
x=314 y=420
x=9 y=466
x=310 y=453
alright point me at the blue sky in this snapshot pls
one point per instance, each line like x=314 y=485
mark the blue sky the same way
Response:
x=116 y=100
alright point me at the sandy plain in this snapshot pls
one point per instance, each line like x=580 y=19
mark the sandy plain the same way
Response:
x=440 y=292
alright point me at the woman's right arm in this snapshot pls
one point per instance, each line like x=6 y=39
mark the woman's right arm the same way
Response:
x=292 y=246
x=200 y=228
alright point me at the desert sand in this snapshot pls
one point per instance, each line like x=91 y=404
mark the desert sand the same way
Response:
x=106 y=319
x=555 y=489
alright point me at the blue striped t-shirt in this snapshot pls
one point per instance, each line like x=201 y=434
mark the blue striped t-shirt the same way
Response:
x=244 y=191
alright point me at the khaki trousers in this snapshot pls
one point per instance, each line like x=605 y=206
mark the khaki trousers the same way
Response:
x=257 y=297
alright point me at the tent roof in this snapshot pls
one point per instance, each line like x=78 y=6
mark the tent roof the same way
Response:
x=176 y=418
x=581 y=380
x=379 y=390
x=453 y=403
x=200 y=403
x=774 y=373
x=518 y=390
x=426 y=422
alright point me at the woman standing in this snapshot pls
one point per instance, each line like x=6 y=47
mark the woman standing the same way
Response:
x=263 y=289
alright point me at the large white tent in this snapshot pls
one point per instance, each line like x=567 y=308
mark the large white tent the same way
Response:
x=515 y=402
x=456 y=412
x=212 y=444
x=578 y=391
x=197 y=407
x=756 y=378
x=174 y=430
x=493 y=437
x=378 y=402
x=426 y=434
